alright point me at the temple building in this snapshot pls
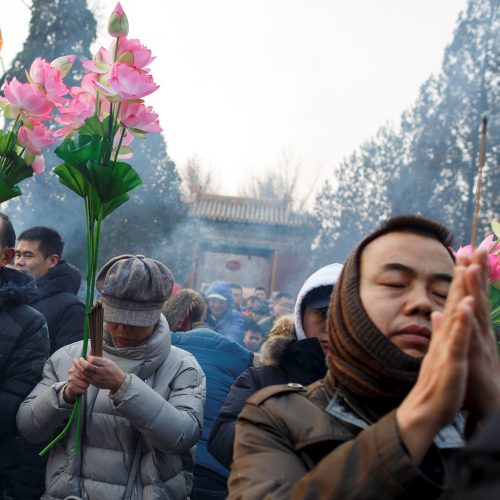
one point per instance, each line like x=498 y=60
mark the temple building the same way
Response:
x=249 y=241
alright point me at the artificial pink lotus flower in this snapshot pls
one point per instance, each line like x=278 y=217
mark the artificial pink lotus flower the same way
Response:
x=139 y=118
x=132 y=52
x=35 y=138
x=63 y=64
x=76 y=111
x=102 y=62
x=26 y=100
x=118 y=22
x=48 y=79
x=127 y=82
x=489 y=244
x=38 y=164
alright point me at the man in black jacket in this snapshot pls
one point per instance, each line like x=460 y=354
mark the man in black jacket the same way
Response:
x=24 y=347
x=38 y=254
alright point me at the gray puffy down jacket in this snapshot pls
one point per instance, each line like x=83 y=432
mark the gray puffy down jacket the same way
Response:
x=158 y=412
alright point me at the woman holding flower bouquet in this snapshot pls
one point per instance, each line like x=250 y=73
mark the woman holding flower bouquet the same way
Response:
x=142 y=400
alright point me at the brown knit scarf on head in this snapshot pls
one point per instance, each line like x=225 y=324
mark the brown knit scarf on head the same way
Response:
x=365 y=365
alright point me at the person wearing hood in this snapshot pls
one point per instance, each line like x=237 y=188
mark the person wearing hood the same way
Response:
x=24 y=347
x=38 y=254
x=143 y=399
x=221 y=316
x=222 y=361
x=410 y=346
x=297 y=357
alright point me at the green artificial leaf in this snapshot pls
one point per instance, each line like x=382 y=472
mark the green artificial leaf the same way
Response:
x=78 y=151
x=94 y=127
x=18 y=170
x=112 y=181
x=72 y=177
x=112 y=205
x=8 y=143
x=7 y=191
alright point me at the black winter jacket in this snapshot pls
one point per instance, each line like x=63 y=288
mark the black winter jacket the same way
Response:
x=57 y=301
x=24 y=347
x=288 y=360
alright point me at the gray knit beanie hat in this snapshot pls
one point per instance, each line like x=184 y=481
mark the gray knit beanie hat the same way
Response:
x=134 y=289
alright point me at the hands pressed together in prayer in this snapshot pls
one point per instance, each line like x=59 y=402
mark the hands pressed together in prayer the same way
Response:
x=99 y=372
x=461 y=369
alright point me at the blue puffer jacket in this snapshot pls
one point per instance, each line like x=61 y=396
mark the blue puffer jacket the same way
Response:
x=230 y=323
x=222 y=361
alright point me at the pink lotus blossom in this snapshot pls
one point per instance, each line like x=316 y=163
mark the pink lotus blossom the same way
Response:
x=138 y=117
x=48 y=79
x=88 y=85
x=102 y=62
x=118 y=22
x=35 y=138
x=26 y=100
x=38 y=164
x=132 y=52
x=127 y=82
x=63 y=64
x=76 y=111
x=493 y=258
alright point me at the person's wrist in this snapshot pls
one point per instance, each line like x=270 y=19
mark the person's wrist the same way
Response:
x=68 y=395
x=119 y=382
x=417 y=426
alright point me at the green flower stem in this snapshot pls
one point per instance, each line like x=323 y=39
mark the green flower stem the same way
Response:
x=116 y=49
x=122 y=135
x=110 y=133
x=63 y=432
x=93 y=229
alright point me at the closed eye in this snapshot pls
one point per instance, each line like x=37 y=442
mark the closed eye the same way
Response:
x=394 y=285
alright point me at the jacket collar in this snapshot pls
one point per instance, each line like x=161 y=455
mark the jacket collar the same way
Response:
x=449 y=436
x=61 y=278
x=143 y=359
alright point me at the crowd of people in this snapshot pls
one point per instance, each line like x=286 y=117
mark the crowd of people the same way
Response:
x=380 y=379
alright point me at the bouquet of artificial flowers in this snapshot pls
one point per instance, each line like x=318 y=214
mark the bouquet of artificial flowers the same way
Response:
x=30 y=106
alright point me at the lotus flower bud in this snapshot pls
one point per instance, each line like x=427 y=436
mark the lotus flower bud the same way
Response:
x=63 y=64
x=118 y=22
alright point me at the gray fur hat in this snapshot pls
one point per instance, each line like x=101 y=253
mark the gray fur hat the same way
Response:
x=133 y=289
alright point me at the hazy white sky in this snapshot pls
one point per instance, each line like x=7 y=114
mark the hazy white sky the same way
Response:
x=243 y=81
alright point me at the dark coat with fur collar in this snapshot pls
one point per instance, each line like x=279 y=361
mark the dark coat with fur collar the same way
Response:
x=283 y=360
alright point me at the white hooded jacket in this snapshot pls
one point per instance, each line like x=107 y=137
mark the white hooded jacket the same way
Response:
x=325 y=276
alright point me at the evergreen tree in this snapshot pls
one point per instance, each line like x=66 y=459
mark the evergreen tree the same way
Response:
x=443 y=127
x=429 y=164
x=360 y=199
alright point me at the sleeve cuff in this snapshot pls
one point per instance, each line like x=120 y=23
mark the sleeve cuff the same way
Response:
x=117 y=396
x=60 y=396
